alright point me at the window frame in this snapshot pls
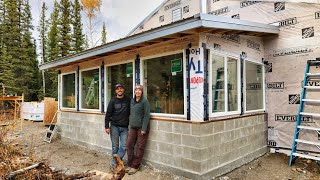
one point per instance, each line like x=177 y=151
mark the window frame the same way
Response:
x=75 y=91
x=184 y=115
x=106 y=80
x=245 y=87
x=80 y=89
x=226 y=112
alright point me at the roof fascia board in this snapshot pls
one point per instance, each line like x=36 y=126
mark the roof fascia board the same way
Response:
x=212 y=21
x=147 y=18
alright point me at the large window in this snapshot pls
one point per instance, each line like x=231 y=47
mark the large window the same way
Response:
x=225 y=75
x=68 y=90
x=90 y=89
x=254 y=86
x=163 y=83
x=122 y=74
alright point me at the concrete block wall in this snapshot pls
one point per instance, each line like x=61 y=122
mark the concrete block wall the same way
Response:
x=194 y=150
x=206 y=150
x=84 y=130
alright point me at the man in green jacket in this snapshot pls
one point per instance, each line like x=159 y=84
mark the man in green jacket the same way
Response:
x=139 y=129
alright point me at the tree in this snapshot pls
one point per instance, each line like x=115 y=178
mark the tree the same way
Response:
x=90 y=8
x=53 y=53
x=65 y=27
x=77 y=36
x=104 y=34
x=43 y=30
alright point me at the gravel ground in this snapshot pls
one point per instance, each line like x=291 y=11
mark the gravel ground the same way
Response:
x=75 y=159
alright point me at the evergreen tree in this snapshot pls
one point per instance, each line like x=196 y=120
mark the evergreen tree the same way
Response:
x=6 y=72
x=77 y=36
x=104 y=34
x=65 y=27
x=86 y=42
x=51 y=76
x=43 y=30
x=11 y=44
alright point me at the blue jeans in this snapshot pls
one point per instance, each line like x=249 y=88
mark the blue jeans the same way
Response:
x=119 y=148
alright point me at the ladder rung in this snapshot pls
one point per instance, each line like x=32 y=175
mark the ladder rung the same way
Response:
x=219 y=89
x=310 y=114
x=311 y=100
x=309 y=128
x=308 y=142
x=312 y=87
x=307 y=156
x=314 y=62
x=313 y=74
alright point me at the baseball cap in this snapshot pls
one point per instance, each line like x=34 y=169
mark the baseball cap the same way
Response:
x=118 y=85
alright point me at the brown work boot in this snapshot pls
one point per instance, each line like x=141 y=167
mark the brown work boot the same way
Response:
x=133 y=171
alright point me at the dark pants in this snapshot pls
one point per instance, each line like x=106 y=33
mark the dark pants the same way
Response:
x=136 y=139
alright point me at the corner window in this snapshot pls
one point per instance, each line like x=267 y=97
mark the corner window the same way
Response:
x=225 y=75
x=254 y=86
x=122 y=74
x=69 y=90
x=163 y=83
x=90 y=84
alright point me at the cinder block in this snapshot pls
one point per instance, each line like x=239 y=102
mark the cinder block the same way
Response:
x=213 y=163
x=207 y=128
x=206 y=141
x=196 y=129
x=165 y=148
x=191 y=165
x=229 y=125
x=182 y=128
x=165 y=126
x=218 y=126
x=227 y=136
x=153 y=125
x=205 y=154
x=191 y=141
x=237 y=123
x=177 y=151
x=217 y=138
x=152 y=145
x=164 y=137
x=204 y=166
x=176 y=139
x=151 y=155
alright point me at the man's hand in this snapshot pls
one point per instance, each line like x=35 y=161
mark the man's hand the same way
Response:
x=143 y=133
x=108 y=130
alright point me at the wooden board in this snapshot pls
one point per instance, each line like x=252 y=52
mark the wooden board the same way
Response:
x=50 y=108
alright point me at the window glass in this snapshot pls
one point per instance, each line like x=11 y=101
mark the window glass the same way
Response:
x=90 y=89
x=163 y=83
x=120 y=74
x=254 y=91
x=218 y=84
x=232 y=84
x=68 y=91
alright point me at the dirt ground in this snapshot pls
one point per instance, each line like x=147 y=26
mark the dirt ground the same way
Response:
x=74 y=159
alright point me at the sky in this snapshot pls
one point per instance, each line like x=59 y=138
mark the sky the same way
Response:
x=120 y=16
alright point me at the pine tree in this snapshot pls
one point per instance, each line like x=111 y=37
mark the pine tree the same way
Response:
x=104 y=34
x=53 y=53
x=43 y=30
x=11 y=43
x=65 y=27
x=6 y=72
x=77 y=36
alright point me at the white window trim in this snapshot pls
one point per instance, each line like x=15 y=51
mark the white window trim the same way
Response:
x=225 y=113
x=80 y=90
x=106 y=80
x=75 y=91
x=184 y=82
x=245 y=87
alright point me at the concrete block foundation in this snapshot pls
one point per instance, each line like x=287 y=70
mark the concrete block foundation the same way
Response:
x=194 y=150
